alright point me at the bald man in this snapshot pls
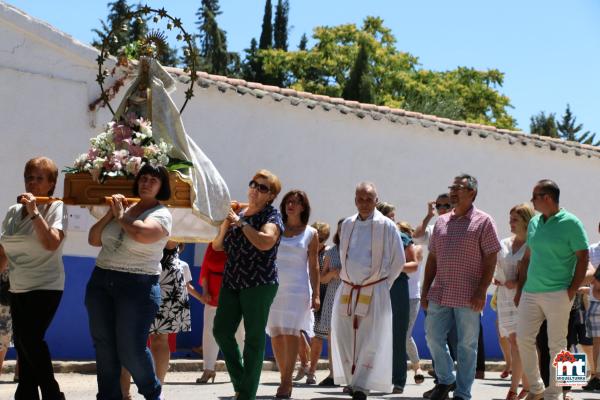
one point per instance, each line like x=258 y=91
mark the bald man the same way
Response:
x=372 y=257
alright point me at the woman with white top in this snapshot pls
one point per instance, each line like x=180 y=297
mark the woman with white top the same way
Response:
x=506 y=278
x=298 y=293
x=31 y=247
x=123 y=293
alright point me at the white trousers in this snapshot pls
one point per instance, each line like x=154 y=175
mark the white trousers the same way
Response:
x=210 y=349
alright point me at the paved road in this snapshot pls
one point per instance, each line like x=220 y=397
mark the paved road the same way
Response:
x=180 y=386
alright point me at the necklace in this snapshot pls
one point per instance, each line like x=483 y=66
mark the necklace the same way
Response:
x=291 y=229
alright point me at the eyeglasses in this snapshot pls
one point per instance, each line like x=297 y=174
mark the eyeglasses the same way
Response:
x=294 y=202
x=455 y=188
x=259 y=186
x=440 y=206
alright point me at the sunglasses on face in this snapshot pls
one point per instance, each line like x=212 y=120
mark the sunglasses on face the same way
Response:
x=259 y=186
x=456 y=188
x=440 y=206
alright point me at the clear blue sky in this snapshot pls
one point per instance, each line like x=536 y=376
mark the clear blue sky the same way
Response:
x=549 y=50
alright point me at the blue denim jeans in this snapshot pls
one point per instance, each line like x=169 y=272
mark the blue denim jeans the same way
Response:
x=121 y=307
x=439 y=322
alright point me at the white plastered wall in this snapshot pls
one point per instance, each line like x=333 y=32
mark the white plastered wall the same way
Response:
x=47 y=80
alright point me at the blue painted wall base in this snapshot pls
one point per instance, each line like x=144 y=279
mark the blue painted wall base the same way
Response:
x=69 y=335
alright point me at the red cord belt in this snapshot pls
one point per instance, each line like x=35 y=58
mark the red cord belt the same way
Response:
x=355 y=319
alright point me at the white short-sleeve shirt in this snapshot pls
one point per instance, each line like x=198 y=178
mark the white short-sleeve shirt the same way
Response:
x=30 y=265
x=122 y=253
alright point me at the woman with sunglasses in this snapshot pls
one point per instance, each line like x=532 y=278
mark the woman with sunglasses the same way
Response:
x=250 y=282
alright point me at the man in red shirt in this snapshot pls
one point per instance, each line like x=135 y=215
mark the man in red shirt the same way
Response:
x=459 y=269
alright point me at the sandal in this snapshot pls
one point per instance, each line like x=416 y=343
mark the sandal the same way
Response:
x=523 y=393
x=302 y=372
x=505 y=374
x=419 y=377
x=311 y=379
x=511 y=395
x=284 y=391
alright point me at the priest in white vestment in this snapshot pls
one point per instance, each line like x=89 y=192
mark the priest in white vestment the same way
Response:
x=372 y=257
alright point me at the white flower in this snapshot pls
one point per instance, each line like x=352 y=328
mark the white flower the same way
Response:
x=133 y=165
x=98 y=163
x=146 y=130
x=164 y=147
x=163 y=159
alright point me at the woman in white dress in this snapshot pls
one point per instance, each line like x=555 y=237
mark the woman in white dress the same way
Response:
x=298 y=293
x=506 y=278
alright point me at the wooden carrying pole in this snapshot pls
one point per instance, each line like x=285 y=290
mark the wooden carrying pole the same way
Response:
x=235 y=205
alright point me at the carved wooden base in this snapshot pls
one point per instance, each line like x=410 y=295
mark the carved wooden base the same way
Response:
x=81 y=189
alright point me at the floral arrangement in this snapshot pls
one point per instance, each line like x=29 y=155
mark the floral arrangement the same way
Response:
x=122 y=148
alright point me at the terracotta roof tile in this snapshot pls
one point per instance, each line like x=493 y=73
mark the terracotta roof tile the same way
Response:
x=289 y=92
x=395 y=115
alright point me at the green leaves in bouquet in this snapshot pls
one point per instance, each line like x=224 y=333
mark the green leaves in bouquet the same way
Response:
x=176 y=164
x=70 y=170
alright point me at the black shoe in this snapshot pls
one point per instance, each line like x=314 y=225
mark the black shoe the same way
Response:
x=593 y=384
x=398 y=390
x=427 y=394
x=359 y=395
x=327 y=382
x=440 y=391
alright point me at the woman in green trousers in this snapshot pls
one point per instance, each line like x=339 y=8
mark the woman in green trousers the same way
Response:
x=250 y=240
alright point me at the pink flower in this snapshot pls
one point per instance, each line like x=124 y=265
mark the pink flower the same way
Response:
x=121 y=133
x=118 y=160
x=136 y=151
x=92 y=154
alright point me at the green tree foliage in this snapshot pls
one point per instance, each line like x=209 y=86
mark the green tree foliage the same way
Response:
x=280 y=33
x=251 y=65
x=544 y=125
x=359 y=86
x=396 y=76
x=303 y=42
x=213 y=41
x=127 y=39
x=121 y=37
x=266 y=34
x=568 y=129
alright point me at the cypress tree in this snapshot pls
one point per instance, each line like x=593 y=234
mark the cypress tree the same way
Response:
x=280 y=33
x=266 y=35
x=251 y=65
x=359 y=86
x=213 y=41
x=303 y=43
